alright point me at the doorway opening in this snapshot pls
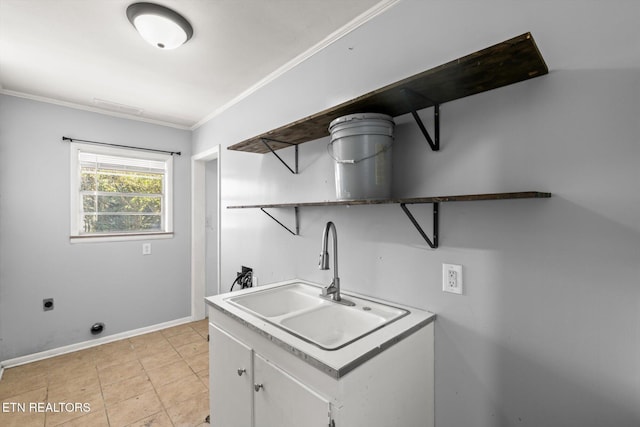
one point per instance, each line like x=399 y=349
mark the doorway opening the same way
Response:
x=205 y=229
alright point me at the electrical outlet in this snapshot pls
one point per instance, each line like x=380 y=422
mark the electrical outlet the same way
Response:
x=146 y=249
x=452 y=278
x=245 y=279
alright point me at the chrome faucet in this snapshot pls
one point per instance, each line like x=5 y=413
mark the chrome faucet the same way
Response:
x=331 y=292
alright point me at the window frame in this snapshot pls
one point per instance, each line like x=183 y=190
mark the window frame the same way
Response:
x=75 y=234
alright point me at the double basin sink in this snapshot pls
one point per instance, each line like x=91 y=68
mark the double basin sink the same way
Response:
x=299 y=309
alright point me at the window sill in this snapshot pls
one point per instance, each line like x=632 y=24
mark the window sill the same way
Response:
x=94 y=238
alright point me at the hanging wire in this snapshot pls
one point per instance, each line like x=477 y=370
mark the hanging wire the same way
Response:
x=355 y=161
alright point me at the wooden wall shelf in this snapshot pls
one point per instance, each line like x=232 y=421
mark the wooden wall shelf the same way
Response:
x=408 y=201
x=432 y=242
x=505 y=63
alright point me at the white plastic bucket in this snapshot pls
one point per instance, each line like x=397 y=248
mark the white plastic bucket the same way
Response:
x=361 y=148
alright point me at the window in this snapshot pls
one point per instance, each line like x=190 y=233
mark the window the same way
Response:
x=119 y=192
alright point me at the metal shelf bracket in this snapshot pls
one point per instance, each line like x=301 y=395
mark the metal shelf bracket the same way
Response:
x=436 y=215
x=264 y=141
x=297 y=232
x=434 y=142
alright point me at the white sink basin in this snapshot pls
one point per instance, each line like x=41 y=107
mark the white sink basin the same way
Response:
x=298 y=309
x=332 y=326
x=278 y=301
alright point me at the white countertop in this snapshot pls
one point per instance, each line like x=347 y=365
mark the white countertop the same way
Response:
x=335 y=363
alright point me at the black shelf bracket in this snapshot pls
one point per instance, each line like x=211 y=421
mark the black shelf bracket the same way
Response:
x=434 y=142
x=266 y=144
x=297 y=232
x=436 y=215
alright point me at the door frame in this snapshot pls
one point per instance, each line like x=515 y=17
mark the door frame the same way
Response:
x=198 y=229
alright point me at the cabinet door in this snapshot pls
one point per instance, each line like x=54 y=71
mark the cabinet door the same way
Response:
x=231 y=380
x=282 y=401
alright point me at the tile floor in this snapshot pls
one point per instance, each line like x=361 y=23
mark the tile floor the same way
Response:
x=157 y=379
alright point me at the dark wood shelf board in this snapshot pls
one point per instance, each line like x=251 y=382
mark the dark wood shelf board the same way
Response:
x=408 y=201
x=505 y=63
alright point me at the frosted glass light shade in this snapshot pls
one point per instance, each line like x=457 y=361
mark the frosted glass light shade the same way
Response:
x=160 y=31
x=159 y=26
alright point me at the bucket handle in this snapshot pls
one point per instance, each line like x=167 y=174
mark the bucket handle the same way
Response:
x=353 y=162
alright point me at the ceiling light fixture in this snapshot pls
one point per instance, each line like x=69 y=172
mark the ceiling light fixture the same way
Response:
x=160 y=26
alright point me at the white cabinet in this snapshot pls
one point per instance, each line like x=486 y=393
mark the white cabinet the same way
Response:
x=247 y=390
x=231 y=371
x=282 y=401
x=256 y=383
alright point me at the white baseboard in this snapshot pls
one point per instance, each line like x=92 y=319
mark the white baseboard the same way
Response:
x=10 y=363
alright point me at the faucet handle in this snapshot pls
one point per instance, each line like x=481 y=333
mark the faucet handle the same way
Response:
x=328 y=290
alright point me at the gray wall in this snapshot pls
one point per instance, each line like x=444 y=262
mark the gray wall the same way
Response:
x=548 y=330
x=90 y=282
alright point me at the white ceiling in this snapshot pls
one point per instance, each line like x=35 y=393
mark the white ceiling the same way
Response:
x=84 y=52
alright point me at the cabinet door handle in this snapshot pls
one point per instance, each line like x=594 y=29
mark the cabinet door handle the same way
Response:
x=257 y=387
x=241 y=371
